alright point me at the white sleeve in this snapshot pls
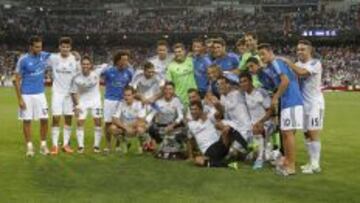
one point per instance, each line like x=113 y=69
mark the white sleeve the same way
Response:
x=179 y=110
x=135 y=81
x=266 y=100
x=190 y=134
x=314 y=67
x=99 y=69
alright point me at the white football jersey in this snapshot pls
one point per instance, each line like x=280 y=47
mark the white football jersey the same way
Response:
x=257 y=102
x=129 y=113
x=63 y=71
x=166 y=112
x=148 y=88
x=204 y=133
x=311 y=85
x=161 y=65
x=235 y=109
x=88 y=88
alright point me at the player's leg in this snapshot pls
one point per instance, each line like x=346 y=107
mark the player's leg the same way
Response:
x=109 y=109
x=80 y=134
x=289 y=150
x=97 y=113
x=26 y=115
x=97 y=134
x=68 y=114
x=118 y=134
x=42 y=113
x=57 y=111
x=313 y=126
x=140 y=129
x=67 y=134
x=27 y=135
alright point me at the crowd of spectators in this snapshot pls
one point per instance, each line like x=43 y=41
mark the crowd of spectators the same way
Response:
x=341 y=65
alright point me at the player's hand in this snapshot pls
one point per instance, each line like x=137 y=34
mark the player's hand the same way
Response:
x=22 y=104
x=258 y=128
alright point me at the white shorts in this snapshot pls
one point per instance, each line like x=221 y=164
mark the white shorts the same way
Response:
x=95 y=112
x=61 y=104
x=292 y=118
x=110 y=107
x=314 y=119
x=36 y=107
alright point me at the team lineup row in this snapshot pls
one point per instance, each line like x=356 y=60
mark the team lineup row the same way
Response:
x=209 y=105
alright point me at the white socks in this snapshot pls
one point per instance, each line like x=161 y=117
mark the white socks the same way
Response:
x=259 y=140
x=97 y=136
x=29 y=145
x=80 y=136
x=55 y=132
x=314 y=150
x=67 y=134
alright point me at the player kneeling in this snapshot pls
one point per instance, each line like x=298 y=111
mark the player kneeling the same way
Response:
x=129 y=119
x=85 y=93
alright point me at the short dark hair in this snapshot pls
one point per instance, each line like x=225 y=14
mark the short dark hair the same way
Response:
x=191 y=90
x=245 y=74
x=130 y=88
x=65 y=40
x=34 y=39
x=305 y=41
x=169 y=83
x=253 y=60
x=179 y=45
x=120 y=54
x=162 y=43
x=198 y=40
x=252 y=34
x=86 y=57
x=220 y=41
x=148 y=65
x=197 y=104
x=225 y=79
x=240 y=41
x=266 y=46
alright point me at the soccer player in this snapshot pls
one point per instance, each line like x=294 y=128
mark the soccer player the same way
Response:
x=241 y=48
x=280 y=76
x=232 y=108
x=251 y=43
x=29 y=87
x=162 y=59
x=309 y=70
x=228 y=63
x=212 y=146
x=129 y=118
x=85 y=93
x=214 y=73
x=181 y=72
x=258 y=103
x=194 y=96
x=201 y=63
x=148 y=84
x=64 y=67
x=167 y=114
x=116 y=78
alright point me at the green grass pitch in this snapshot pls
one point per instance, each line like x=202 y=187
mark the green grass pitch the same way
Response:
x=133 y=178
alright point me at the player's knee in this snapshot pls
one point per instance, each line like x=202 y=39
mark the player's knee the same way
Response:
x=56 y=120
x=43 y=122
x=68 y=120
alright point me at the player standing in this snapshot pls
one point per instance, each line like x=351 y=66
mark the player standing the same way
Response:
x=228 y=63
x=85 y=93
x=162 y=59
x=280 y=76
x=64 y=67
x=29 y=86
x=181 y=72
x=201 y=63
x=309 y=70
